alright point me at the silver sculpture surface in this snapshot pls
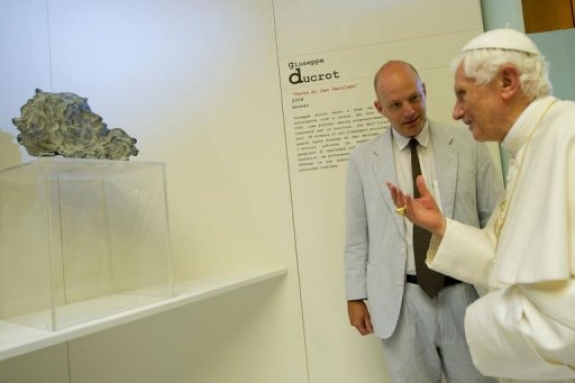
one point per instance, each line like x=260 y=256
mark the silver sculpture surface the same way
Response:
x=63 y=124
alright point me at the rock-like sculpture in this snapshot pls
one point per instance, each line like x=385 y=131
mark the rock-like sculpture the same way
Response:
x=63 y=124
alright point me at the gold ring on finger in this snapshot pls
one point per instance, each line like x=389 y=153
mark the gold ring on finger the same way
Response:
x=400 y=210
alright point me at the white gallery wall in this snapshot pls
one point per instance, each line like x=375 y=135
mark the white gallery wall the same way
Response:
x=204 y=85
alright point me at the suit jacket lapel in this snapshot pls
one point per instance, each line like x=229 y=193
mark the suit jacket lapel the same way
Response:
x=445 y=153
x=384 y=171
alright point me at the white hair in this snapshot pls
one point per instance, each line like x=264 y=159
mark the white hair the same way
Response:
x=483 y=65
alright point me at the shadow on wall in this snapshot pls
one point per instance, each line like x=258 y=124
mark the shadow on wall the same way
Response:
x=10 y=150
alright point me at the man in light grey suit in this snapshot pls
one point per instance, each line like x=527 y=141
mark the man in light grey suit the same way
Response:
x=422 y=334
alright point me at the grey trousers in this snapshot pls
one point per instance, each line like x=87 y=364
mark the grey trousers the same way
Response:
x=429 y=341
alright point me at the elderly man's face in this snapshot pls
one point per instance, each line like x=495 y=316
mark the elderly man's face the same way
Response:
x=478 y=106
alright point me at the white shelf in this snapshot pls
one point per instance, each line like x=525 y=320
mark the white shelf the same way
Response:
x=18 y=340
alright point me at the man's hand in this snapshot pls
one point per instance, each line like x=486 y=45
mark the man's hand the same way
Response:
x=359 y=317
x=423 y=211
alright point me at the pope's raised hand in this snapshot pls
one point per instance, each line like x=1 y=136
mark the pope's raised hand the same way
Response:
x=422 y=211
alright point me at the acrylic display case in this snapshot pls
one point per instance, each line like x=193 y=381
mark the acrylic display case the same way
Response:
x=82 y=239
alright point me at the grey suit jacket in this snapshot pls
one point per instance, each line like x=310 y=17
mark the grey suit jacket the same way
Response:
x=375 y=250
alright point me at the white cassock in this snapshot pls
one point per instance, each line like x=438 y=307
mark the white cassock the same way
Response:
x=524 y=327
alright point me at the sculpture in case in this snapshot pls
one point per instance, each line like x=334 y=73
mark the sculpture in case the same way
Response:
x=63 y=124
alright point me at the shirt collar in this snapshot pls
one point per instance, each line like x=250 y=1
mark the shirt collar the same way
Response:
x=422 y=137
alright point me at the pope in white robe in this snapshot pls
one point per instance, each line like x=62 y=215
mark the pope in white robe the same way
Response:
x=523 y=327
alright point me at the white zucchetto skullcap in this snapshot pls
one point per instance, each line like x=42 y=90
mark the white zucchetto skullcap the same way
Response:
x=503 y=39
